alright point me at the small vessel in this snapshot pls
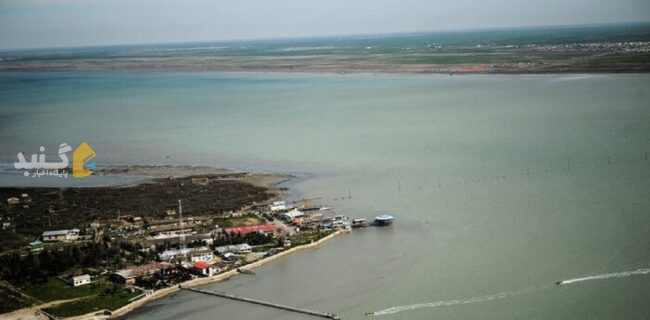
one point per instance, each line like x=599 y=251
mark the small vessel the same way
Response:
x=245 y=271
x=558 y=282
x=384 y=220
x=368 y=314
x=359 y=223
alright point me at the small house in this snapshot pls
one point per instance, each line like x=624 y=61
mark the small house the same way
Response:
x=203 y=268
x=80 y=280
x=278 y=206
x=56 y=235
x=293 y=214
x=35 y=246
x=130 y=275
x=238 y=248
x=202 y=255
x=191 y=254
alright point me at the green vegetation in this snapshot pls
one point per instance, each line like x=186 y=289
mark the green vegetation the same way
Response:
x=56 y=289
x=306 y=238
x=447 y=59
x=253 y=238
x=66 y=208
x=542 y=49
x=110 y=298
x=610 y=58
x=36 y=268
x=245 y=220
x=11 y=300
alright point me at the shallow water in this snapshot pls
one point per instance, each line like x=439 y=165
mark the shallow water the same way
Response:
x=500 y=185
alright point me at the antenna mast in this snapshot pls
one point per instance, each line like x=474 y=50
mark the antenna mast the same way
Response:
x=180 y=213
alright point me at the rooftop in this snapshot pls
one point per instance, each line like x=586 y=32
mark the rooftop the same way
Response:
x=143 y=270
x=183 y=252
x=55 y=233
x=201 y=265
x=237 y=247
x=269 y=227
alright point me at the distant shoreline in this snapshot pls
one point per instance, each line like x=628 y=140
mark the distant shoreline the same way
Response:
x=323 y=67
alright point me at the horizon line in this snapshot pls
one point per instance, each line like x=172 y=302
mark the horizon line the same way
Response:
x=351 y=35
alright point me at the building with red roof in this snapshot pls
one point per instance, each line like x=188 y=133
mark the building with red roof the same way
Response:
x=204 y=268
x=261 y=228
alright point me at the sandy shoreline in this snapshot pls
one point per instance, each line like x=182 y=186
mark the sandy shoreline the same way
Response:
x=32 y=313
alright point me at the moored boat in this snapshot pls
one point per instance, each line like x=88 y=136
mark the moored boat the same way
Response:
x=384 y=220
x=359 y=223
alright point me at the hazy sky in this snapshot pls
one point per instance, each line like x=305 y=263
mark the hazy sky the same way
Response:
x=60 y=23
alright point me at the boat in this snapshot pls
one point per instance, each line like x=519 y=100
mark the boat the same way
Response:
x=558 y=282
x=384 y=220
x=245 y=271
x=359 y=223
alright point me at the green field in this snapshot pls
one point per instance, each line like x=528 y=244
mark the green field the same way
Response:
x=302 y=239
x=245 y=220
x=56 y=289
x=112 y=300
x=11 y=300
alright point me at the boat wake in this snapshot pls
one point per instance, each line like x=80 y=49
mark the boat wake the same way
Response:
x=445 y=303
x=503 y=295
x=608 y=275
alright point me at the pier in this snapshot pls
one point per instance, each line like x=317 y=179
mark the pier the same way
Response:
x=264 y=303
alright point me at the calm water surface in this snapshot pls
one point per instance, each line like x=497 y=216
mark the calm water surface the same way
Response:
x=501 y=185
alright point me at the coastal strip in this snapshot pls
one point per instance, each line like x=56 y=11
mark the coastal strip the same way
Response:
x=32 y=313
x=203 y=281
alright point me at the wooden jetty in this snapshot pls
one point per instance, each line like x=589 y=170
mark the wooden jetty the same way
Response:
x=264 y=303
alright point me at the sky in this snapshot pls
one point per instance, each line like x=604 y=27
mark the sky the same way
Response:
x=64 y=23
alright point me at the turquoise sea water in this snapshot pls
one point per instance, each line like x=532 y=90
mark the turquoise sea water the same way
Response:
x=501 y=185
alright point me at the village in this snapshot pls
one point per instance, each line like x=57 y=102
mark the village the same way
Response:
x=202 y=245
x=110 y=263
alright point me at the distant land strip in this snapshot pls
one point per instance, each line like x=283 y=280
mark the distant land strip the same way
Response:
x=433 y=63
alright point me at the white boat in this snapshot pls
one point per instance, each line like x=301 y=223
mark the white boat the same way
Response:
x=384 y=220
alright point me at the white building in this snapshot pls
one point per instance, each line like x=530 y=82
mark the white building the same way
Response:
x=80 y=280
x=238 y=248
x=278 y=206
x=204 y=268
x=295 y=213
x=192 y=254
x=60 y=235
x=204 y=256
